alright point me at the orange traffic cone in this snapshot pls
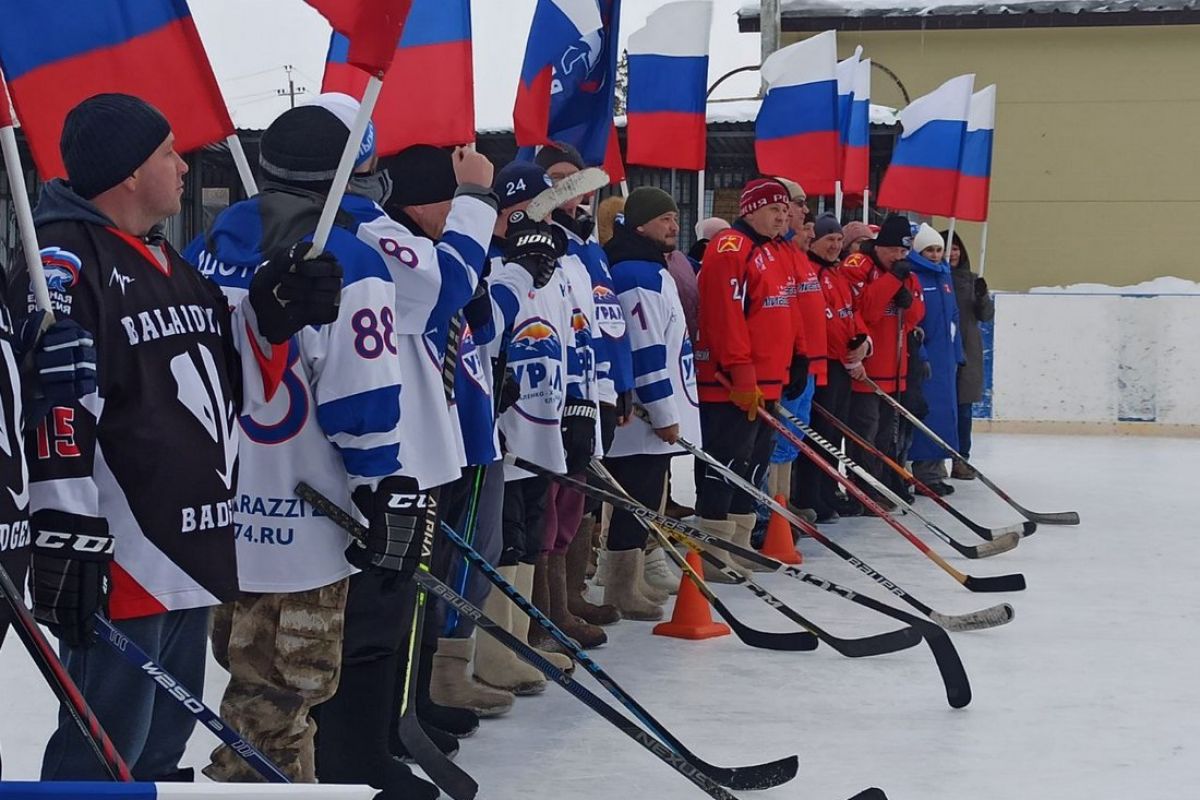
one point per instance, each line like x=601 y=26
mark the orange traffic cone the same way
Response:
x=691 y=618
x=778 y=543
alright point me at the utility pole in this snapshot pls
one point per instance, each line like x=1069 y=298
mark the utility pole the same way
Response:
x=292 y=90
x=769 y=24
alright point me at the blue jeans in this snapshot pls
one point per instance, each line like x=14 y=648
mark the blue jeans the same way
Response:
x=149 y=728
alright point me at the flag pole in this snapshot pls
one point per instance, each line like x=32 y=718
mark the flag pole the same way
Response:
x=242 y=164
x=866 y=206
x=701 y=211
x=341 y=178
x=950 y=233
x=29 y=242
x=982 y=248
x=837 y=200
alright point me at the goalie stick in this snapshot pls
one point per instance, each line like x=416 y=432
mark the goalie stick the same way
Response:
x=60 y=682
x=996 y=583
x=192 y=703
x=1045 y=518
x=954 y=677
x=880 y=644
x=678 y=761
x=1022 y=528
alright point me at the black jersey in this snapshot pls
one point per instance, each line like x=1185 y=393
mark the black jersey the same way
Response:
x=14 y=497
x=154 y=449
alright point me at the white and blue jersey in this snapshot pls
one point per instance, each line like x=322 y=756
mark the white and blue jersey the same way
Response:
x=433 y=281
x=323 y=408
x=610 y=345
x=664 y=374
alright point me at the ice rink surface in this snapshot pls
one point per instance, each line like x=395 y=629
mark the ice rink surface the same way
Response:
x=1089 y=694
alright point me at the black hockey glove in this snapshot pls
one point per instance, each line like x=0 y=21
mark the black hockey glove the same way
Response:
x=797 y=378
x=63 y=361
x=398 y=515
x=535 y=246
x=69 y=573
x=289 y=292
x=624 y=407
x=902 y=269
x=981 y=288
x=510 y=392
x=903 y=298
x=478 y=310
x=579 y=433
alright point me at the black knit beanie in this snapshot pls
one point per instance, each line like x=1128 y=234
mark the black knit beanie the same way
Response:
x=557 y=153
x=646 y=203
x=422 y=174
x=303 y=146
x=106 y=138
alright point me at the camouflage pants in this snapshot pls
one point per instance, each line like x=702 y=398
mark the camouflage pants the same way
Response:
x=283 y=653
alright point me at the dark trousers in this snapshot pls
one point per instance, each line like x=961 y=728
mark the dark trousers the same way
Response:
x=644 y=477
x=742 y=445
x=811 y=486
x=964 y=429
x=149 y=729
x=488 y=541
x=524 y=513
x=874 y=419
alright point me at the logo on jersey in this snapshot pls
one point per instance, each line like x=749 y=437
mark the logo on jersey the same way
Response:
x=119 y=280
x=608 y=312
x=200 y=391
x=288 y=409
x=470 y=358
x=61 y=268
x=535 y=358
x=687 y=371
x=730 y=243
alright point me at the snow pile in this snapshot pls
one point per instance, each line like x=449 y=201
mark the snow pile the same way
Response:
x=746 y=110
x=1156 y=286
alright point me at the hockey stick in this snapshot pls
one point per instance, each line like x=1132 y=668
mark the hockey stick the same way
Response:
x=991 y=583
x=60 y=682
x=583 y=182
x=890 y=642
x=954 y=677
x=192 y=703
x=469 y=532
x=756 y=776
x=1001 y=544
x=1051 y=518
x=754 y=638
x=1023 y=528
x=448 y=776
x=680 y=763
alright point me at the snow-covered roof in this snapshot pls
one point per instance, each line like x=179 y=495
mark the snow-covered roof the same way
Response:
x=896 y=8
x=1157 y=286
x=742 y=110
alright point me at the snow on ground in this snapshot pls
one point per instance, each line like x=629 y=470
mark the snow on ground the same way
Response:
x=1089 y=693
x=1155 y=286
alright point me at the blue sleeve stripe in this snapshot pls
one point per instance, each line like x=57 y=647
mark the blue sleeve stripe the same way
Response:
x=374 y=462
x=649 y=359
x=658 y=390
x=508 y=302
x=465 y=248
x=458 y=281
x=372 y=411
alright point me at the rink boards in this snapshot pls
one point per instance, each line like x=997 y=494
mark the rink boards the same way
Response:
x=32 y=790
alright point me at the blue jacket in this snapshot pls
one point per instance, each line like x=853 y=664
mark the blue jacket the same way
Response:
x=943 y=347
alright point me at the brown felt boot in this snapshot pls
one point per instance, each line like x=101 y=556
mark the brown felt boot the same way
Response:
x=452 y=683
x=744 y=529
x=495 y=664
x=527 y=584
x=576 y=563
x=622 y=578
x=725 y=529
x=588 y=635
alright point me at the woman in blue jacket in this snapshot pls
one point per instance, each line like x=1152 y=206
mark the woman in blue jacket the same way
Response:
x=943 y=346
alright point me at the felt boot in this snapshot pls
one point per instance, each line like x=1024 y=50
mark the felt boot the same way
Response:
x=453 y=684
x=622 y=579
x=495 y=665
x=576 y=563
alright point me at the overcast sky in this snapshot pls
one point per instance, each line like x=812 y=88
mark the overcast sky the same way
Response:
x=249 y=42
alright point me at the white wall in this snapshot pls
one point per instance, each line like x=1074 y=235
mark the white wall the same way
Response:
x=1097 y=358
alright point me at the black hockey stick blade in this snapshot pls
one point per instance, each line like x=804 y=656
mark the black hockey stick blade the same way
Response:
x=448 y=776
x=874 y=793
x=996 y=583
x=796 y=641
x=1056 y=518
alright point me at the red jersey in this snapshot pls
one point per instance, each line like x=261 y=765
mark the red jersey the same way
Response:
x=746 y=314
x=874 y=288
x=808 y=302
x=841 y=322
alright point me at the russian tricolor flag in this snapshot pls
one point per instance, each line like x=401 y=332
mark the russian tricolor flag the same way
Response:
x=923 y=175
x=568 y=79
x=856 y=135
x=797 y=127
x=975 y=174
x=428 y=91
x=668 y=80
x=59 y=53
x=372 y=26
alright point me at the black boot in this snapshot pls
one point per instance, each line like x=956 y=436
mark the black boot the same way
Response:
x=356 y=725
x=458 y=722
x=441 y=739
